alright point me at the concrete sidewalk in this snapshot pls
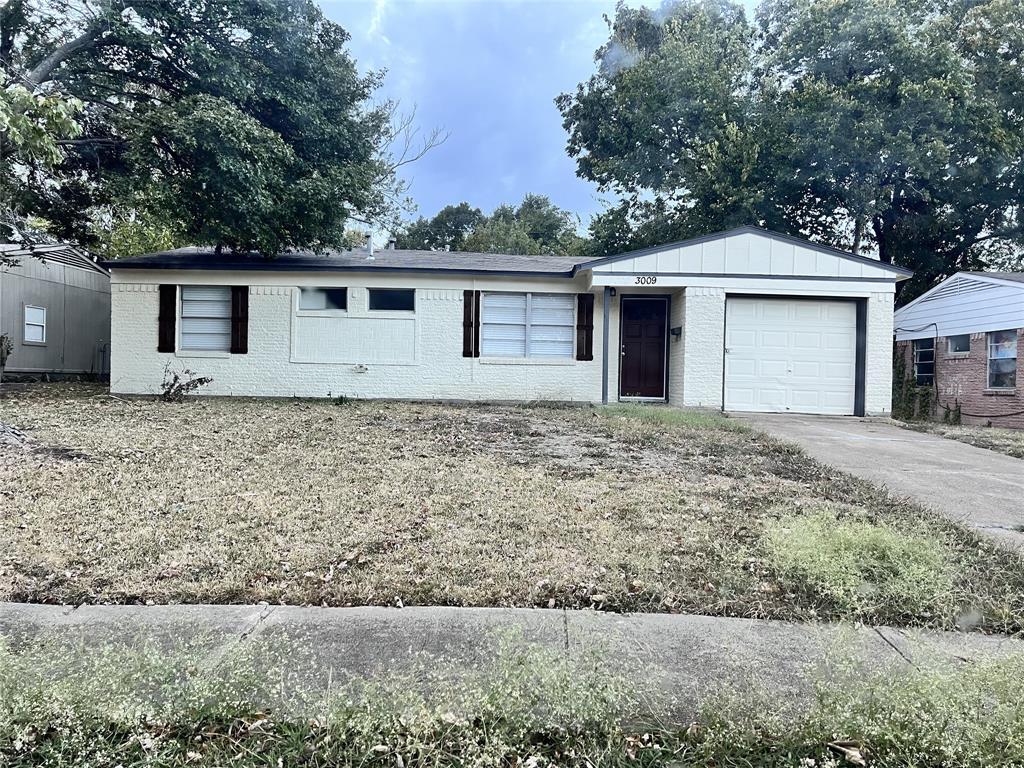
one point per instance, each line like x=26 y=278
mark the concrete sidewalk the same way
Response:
x=678 y=659
x=975 y=487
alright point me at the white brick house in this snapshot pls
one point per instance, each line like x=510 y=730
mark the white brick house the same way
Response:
x=746 y=320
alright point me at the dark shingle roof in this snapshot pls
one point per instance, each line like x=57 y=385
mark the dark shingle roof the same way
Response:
x=1017 y=277
x=394 y=260
x=356 y=260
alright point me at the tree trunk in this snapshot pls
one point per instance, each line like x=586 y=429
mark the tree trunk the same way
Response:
x=884 y=251
x=858 y=233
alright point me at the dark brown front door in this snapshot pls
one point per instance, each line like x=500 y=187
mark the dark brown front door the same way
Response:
x=642 y=370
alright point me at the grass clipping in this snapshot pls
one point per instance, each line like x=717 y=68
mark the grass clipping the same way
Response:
x=862 y=568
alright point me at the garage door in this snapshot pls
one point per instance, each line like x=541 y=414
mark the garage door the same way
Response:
x=784 y=355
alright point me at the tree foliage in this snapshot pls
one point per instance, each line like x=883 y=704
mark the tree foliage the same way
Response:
x=536 y=226
x=895 y=128
x=446 y=231
x=31 y=127
x=243 y=122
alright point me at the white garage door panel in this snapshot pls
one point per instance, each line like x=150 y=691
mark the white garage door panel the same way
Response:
x=786 y=355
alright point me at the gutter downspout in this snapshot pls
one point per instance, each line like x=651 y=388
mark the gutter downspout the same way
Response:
x=606 y=310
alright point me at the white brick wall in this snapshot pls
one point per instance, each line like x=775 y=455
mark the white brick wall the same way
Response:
x=703 y=345
x=676 y=349
x=878 y=374
x=434 y=368
x=437 y=370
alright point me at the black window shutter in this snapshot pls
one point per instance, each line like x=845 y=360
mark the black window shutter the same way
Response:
x=166 y=318
x=471 y=323
x=239 y=319
x=584 y=326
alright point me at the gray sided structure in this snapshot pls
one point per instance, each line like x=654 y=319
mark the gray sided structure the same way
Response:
x=55 y=309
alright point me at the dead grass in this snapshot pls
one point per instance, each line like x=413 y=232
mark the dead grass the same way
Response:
x=1008 y=441
x=224 y=501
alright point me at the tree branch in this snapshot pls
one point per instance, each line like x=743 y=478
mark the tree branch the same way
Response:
x=42 y=72
x=95 y=140
x=89 y=38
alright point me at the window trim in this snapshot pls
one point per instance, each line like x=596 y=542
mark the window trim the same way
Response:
x=369 y=299
x=330 y=312
x=25 y=324
x=180 y=349
x=914 y=356
x=988 y=360
x=526 y=356
x=958 y=353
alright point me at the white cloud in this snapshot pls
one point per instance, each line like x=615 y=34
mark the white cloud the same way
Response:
x=380 y=10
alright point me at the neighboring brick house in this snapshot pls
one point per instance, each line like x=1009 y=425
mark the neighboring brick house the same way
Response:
x=963 y=337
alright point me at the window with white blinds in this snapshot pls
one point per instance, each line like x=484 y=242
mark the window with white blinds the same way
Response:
x=206 y=317
x=35 y=325
x=527 y=324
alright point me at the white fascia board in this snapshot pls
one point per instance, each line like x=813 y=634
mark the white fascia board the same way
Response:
x=755 y=284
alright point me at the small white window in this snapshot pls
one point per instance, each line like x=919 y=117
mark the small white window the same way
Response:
x=206 y=317
x=35 y=325
x=540 y=325
x=958 y=345
x=323 y=298
x=1002 y=360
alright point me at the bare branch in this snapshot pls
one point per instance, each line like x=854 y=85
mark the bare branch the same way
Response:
x=405 y=135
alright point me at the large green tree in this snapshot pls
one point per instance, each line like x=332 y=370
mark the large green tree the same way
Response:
x=240 y=123
x=445 y=231
x=31 y=129
x=894 y=128
x=535 y=226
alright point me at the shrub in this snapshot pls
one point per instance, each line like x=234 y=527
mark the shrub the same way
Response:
x=177 y=385
x=6 y=347
x=858 y=566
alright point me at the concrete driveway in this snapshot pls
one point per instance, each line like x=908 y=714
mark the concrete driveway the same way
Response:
x=976 y=487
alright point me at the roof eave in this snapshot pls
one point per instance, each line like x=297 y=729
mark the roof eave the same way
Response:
x=214 y=267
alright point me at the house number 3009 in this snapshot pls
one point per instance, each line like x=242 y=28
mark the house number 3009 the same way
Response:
x=646 y=280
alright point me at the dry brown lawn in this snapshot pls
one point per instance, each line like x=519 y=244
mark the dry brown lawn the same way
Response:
x=225 y=501
x=1008 y=441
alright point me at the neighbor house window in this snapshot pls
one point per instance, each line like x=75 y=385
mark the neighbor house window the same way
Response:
x=1002 y=360
x=958 y=345
x=538 y=325
x=323 y=298
x=401 y=299
x=35 y=325
x=206 y=317
x=924 y=362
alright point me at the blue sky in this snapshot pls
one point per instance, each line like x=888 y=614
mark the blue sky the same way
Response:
x=487 y=72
